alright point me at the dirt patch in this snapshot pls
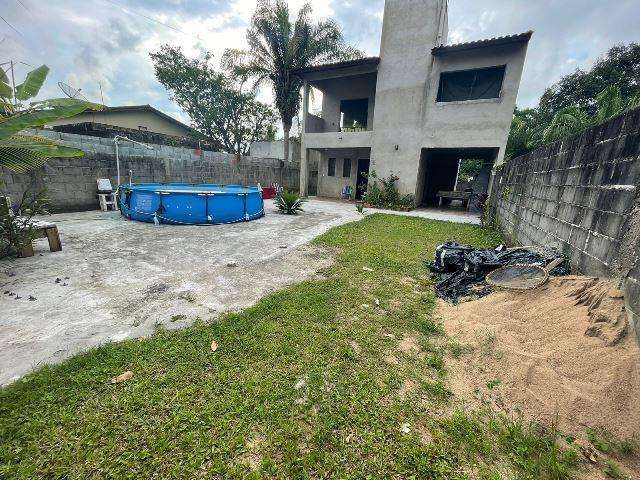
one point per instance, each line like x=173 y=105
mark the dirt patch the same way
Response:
x=253 y=455
x=407 y=387
x=565 y=355
x=408 y=344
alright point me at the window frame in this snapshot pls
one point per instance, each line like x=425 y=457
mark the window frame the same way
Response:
x=331 y=167
x=444 y=74
x=346 y=173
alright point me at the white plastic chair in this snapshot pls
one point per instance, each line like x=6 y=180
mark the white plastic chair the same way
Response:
x=106 y=195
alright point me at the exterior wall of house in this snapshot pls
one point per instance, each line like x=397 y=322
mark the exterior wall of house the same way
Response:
x=350 y=88
x=130 y=119
x=474 y=123
x=409 y=30
x=332 y=186
x=407 y=117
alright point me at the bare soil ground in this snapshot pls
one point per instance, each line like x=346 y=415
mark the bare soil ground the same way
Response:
x=562 y=353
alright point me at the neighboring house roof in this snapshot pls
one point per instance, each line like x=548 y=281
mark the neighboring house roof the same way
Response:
x=144 y=108
x=490 y=42
x=360 y=62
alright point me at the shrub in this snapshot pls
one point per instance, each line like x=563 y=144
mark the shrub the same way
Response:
x=384 y=193
x=16 y=231
x=288 y=203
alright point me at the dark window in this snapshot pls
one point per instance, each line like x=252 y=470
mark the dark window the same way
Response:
x=353 y=114
x=471 y=84
x=346 y=167
x=331 y=167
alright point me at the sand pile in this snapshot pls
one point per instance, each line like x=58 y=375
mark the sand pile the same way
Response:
x=562 y=352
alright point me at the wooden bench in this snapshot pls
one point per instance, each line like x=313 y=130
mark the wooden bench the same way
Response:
x=459 y=195
x=43 y=229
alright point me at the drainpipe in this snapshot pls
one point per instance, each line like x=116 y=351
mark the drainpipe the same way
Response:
x=115 y=141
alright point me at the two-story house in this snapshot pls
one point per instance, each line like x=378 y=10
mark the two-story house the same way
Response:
x=415 y=110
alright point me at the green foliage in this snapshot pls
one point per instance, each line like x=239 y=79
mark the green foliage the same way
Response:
x=32 y=83
x=288 y=203
x=619 y=67
x=612 y=470
x=469 y=169
x=629 y=446
x=16 y=230
x=579 y=101
x=278 y=46
x=384 y=193
x=533 y=450
x=568 y=121
x=222 y=108
x=21 y=153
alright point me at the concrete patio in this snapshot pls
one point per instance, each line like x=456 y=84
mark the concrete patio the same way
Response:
x=116 y=279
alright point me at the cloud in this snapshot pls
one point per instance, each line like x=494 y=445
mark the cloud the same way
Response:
x=107 y=42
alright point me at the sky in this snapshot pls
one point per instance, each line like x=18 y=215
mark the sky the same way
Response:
x=102 y=46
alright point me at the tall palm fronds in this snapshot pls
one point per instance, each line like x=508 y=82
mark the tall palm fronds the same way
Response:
x=278 y=46
x=19 y=152
x=568 y=121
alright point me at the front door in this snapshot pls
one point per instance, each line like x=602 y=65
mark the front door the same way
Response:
x=362 y=179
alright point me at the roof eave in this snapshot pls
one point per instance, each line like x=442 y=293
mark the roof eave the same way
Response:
x=332 y=67
x=489 y=43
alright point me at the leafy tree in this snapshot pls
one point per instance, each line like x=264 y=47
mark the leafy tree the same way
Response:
x=279 y=46
x=619 y=67
x=580 y=100
x=20 y=152
x=221 y=108
x=568 y=121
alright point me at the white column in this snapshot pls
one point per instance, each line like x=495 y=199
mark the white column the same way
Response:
x=304 y=159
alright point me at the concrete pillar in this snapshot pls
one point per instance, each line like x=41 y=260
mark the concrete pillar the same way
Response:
x=304 y=153
x=304 y=172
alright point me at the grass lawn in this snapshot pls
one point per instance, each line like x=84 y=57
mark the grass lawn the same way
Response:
x=338 y=377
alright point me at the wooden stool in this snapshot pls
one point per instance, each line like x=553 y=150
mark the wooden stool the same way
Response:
x=43 y=229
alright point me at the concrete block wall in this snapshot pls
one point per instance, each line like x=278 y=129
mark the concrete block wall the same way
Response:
x=582 y=196
x=71 y=183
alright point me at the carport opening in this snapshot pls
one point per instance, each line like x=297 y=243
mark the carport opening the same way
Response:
x=454 y=176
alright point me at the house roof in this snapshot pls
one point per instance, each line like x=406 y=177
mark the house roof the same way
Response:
x=145 y=108
x=489 y=42
x=360 y=62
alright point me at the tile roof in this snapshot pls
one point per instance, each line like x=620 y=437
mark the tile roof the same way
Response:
x=489 y=42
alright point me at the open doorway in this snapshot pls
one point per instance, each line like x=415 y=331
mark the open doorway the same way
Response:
x=362 y=179
x=454 y=176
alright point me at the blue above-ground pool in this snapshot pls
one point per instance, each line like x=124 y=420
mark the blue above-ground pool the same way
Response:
x=189 y=204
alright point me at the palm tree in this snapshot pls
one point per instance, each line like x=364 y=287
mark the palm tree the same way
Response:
x=278 y=46
x=567 y=121
x=19 y=152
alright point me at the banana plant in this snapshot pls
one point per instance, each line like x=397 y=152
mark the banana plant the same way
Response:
x=21 y=152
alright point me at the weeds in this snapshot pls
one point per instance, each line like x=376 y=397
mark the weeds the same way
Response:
x=612 y=470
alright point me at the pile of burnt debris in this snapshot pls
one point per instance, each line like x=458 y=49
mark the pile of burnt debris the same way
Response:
x=460 y=270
